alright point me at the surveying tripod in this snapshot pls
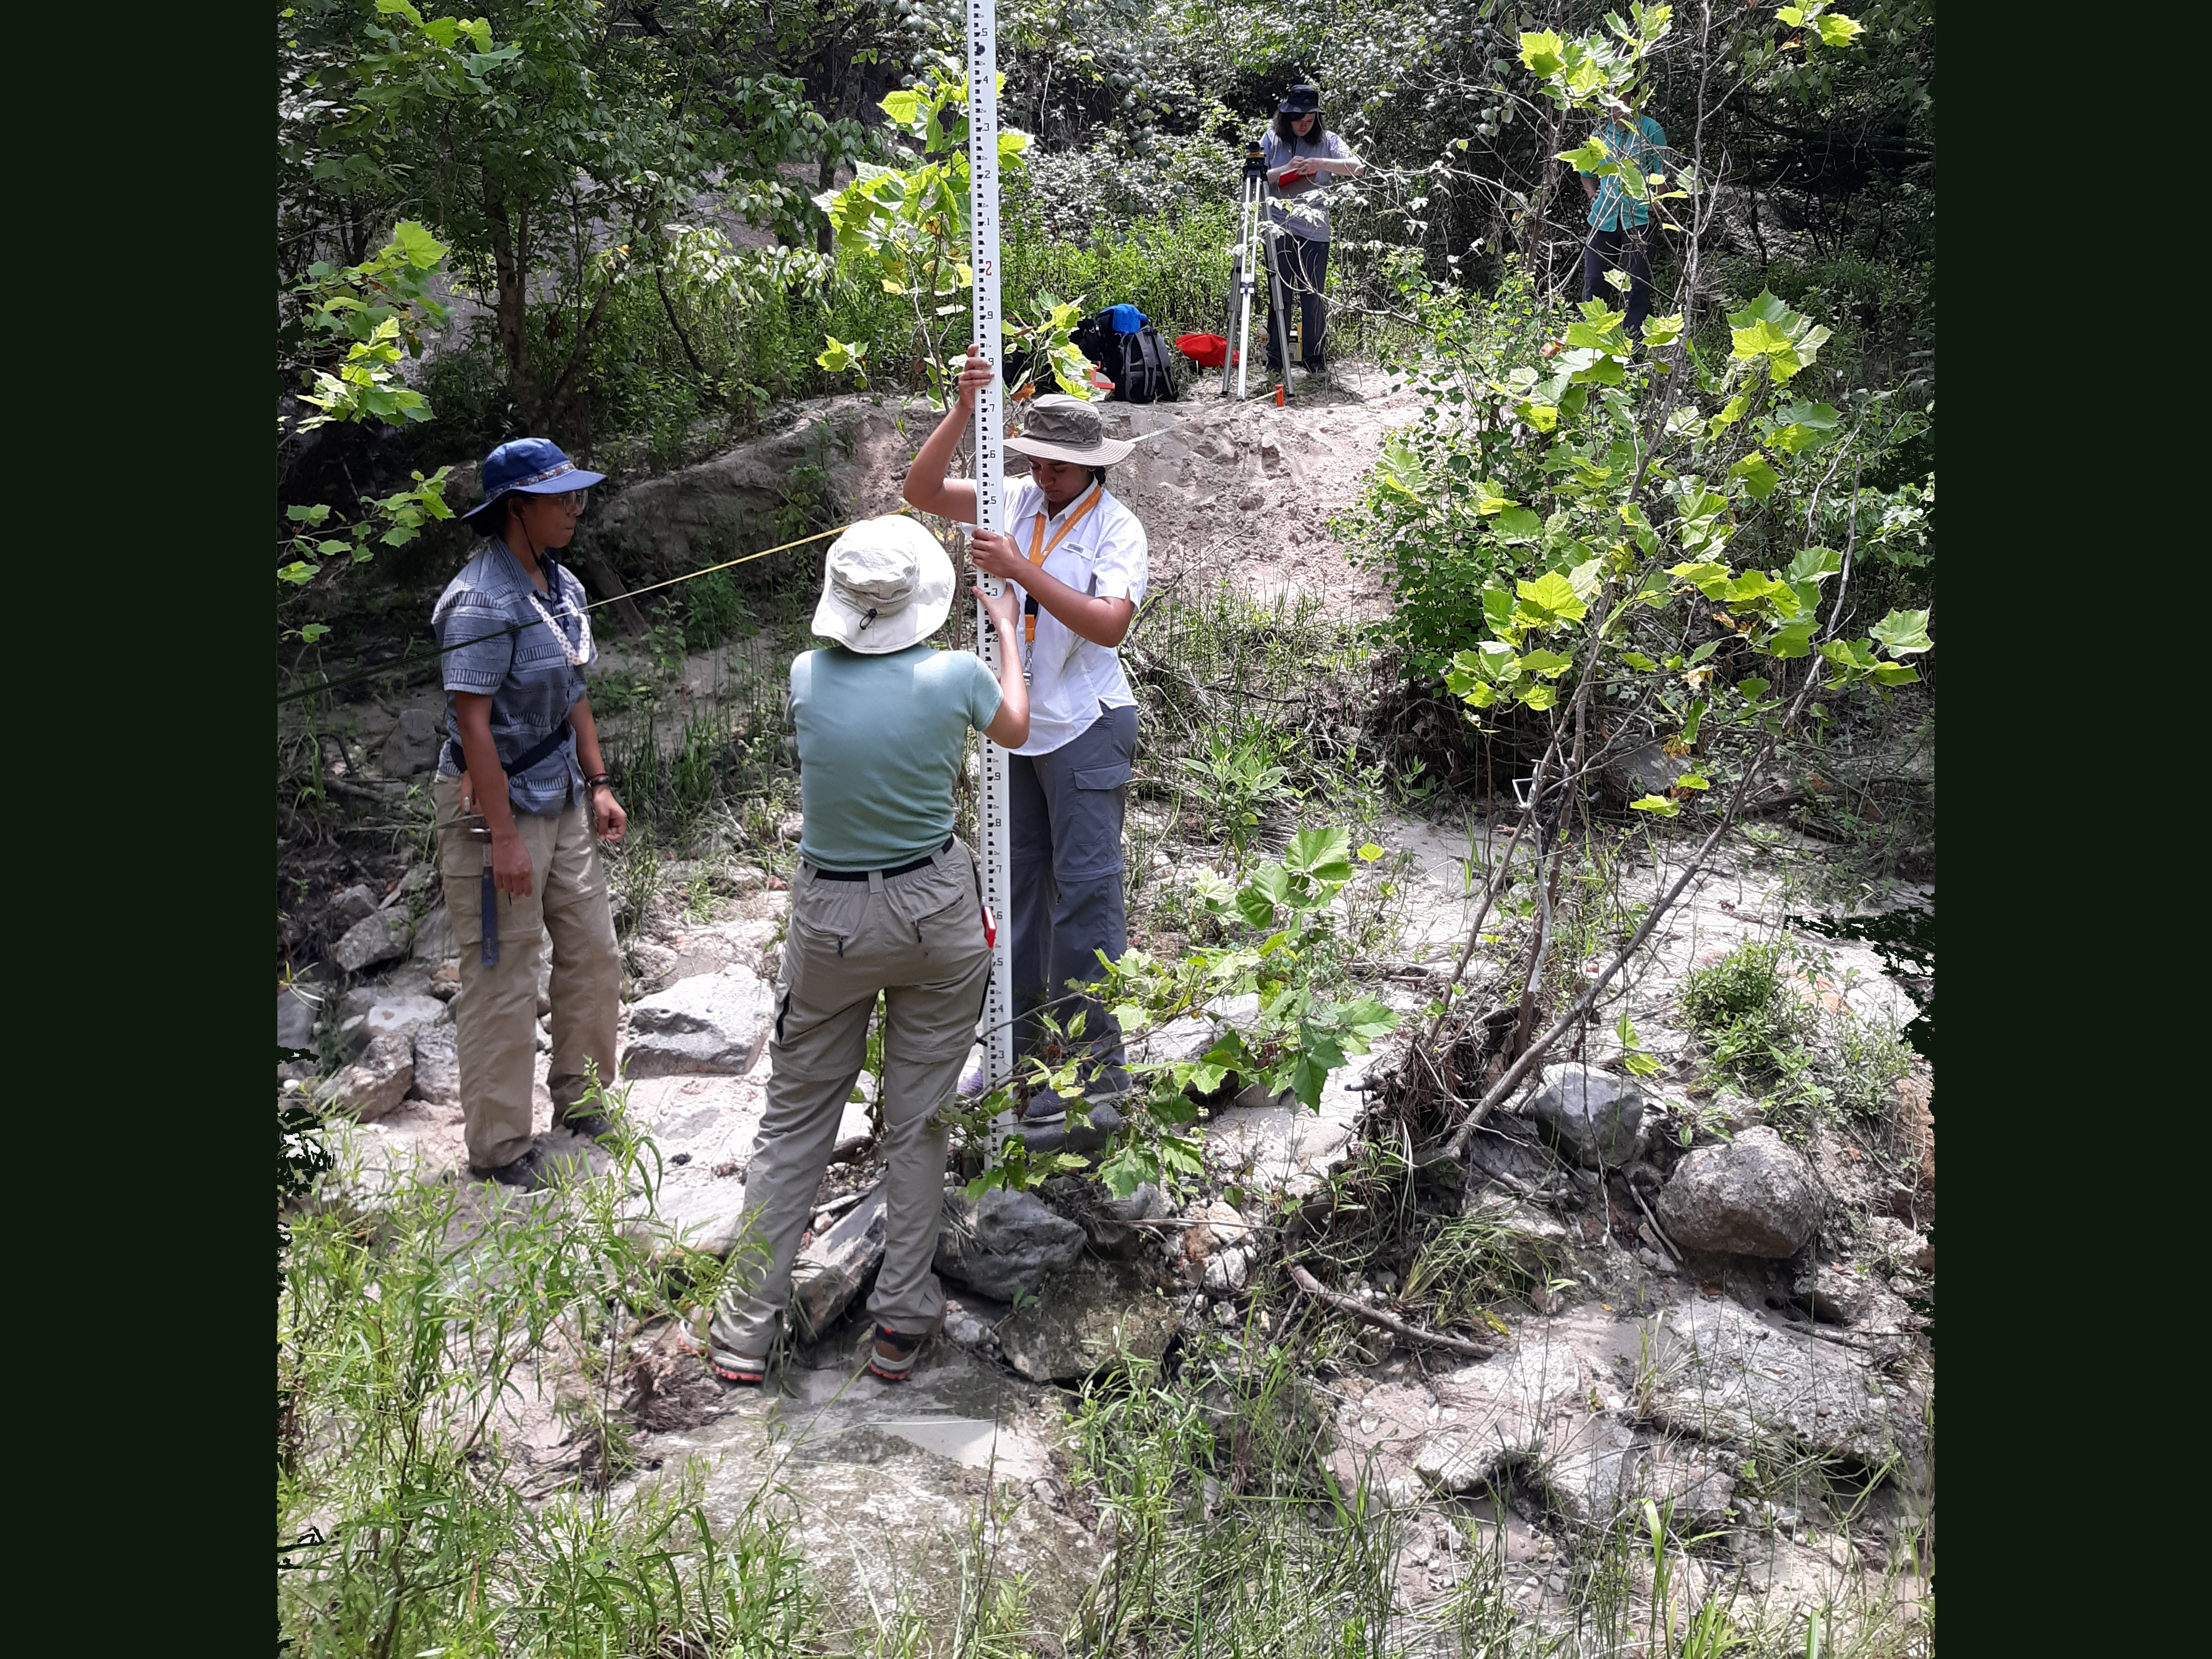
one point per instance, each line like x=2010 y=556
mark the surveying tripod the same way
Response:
x=1255 y=246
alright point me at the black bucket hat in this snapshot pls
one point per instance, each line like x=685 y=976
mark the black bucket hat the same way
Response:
x=1303 y=99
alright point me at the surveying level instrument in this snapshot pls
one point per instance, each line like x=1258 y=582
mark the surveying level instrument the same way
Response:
x=1254 y=249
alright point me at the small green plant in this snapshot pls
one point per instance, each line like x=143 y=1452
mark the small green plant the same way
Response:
x=1237 y=781
x=1754 y=1026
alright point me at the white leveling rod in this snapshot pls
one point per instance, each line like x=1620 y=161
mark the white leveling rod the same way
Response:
x=990 y=514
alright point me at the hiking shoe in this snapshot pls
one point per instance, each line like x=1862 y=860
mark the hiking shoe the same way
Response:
x=891 y=1356
x=588 y=1126
x=527 y=1173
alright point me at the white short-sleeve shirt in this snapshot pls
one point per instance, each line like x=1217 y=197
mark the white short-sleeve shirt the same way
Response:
x=1070 y=679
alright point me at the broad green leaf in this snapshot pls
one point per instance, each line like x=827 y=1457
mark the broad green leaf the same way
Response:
x=1324 y=854
x=1638 y=661
x=901 y=107
x=1370 y=852
x=1901 y=633
x=1588 y=158
x=1659 y=805
x=1692 y=780
x=1759 y=477
x=1518 y=524
x=1813 y=564
x=1837 y=30
x=1548 y=664
x=1541 y=52
x=1637 y=1065
x=1401 y=469
x=1554 y=593
x=1895 y=673
x=1794 y=640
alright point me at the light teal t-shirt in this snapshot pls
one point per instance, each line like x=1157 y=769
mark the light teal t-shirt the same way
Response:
x=881 y=743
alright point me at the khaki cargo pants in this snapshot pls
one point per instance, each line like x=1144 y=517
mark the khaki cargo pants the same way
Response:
x=495 y=1016
x=918 y=938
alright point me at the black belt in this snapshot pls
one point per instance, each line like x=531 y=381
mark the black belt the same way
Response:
x=821 y=874
x=523 y=762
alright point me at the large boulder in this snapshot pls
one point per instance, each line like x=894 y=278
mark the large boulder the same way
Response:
x=1596 y=1116
x=1005 y=1244
x=858 y=447
x=1497 y=1414
x=1109 y=1224
x=412 y=747
x=1723 y=1374
x=434 y=938
x=1754 y=1195
x=373 y=1085
x=371 y=941
x=1089 y=1318
x=399 y=1015
x=717 y=1022
x=835 y=1268
x=437 y=1066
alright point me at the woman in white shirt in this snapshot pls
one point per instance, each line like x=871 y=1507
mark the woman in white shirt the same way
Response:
x=1078 y=556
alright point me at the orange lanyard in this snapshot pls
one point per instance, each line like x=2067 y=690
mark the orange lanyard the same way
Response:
x=1040 y=551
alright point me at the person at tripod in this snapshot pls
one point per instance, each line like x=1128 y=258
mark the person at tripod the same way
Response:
x=1619 y=224
x=1079 y=558
x=1302 y=159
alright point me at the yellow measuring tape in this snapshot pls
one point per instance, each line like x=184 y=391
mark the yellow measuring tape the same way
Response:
x=409 y=662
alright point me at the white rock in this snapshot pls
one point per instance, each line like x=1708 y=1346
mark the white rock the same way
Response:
x=437 y=1066
x=378 y=938
x=717 y=1022
x=373 y=1085
x=399 y=1015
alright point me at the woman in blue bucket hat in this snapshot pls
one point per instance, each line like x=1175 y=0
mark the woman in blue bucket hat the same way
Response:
x=521 y=791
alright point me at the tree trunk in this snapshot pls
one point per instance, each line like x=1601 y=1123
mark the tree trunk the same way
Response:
x=510 y=251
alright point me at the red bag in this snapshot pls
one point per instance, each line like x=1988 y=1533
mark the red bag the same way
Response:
x=1206 y=350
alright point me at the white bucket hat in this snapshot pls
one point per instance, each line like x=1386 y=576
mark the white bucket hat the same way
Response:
x=888 y=584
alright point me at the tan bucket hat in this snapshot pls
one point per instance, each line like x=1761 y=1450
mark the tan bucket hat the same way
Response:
x=1059 y=428
x=888 y=584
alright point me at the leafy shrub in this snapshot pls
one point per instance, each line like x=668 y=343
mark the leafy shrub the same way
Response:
x=713 y=611
x=1752 y=1023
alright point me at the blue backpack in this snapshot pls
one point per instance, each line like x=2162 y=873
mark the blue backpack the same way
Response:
x=1129 y=352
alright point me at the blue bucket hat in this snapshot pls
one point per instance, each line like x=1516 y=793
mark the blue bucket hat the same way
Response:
x=528 y=466
x=1303 y=99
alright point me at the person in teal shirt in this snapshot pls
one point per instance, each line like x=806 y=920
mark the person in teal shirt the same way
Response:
x=1619 y=224
x=886 y=900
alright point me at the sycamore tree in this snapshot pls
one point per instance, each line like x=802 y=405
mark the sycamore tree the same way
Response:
x=1632 y=541
x=907 y=224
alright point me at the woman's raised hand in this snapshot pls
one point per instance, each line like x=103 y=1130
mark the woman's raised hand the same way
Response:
x=1002 y=607
x=976 y=373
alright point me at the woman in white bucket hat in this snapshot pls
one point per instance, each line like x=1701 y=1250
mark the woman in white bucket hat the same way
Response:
x=1080 y=557
x=887 y=900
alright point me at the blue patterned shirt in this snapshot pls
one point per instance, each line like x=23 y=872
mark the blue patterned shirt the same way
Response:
x=507 y=652
x=1614 y=207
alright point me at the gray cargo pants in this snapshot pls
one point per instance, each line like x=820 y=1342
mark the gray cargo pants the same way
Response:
x=1065 y=810
x=918 y=938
